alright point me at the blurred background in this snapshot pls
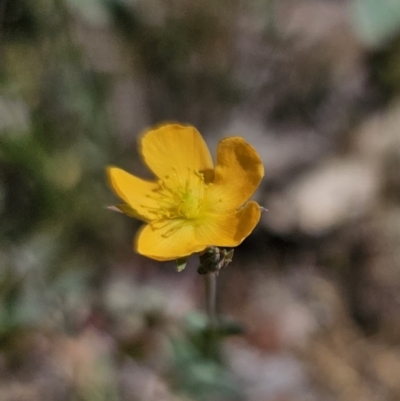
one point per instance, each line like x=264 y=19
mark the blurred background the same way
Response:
x=311 y=303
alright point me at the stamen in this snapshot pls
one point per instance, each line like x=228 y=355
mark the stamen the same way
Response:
x=179 y=200
x=173 y=229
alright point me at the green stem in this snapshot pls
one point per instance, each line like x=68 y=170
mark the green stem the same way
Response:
x=211 y=297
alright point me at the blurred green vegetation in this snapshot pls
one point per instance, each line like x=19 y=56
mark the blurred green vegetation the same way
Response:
x=55 y=141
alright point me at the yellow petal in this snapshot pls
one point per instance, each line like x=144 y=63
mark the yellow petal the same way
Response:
x=174 y=149
x=238 y=173
x=178 y=238
x=173 y=240
x=231 y=229
x=134 y=191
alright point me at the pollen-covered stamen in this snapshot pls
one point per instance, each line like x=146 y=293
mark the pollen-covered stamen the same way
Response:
x=171 y=226
x=178 y=197
x=192 y=197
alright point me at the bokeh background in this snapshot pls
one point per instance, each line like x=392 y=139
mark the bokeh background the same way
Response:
x=311 y=303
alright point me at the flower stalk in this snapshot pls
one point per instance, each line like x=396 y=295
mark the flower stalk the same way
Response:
x=210 y=280
x=212 y=260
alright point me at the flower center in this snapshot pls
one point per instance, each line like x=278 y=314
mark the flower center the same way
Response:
x=190 y=206
x=180 y=198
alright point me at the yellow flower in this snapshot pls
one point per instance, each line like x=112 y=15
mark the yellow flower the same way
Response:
x=191 y=205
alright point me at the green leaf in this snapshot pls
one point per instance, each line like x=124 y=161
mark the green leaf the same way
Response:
x=181 y=264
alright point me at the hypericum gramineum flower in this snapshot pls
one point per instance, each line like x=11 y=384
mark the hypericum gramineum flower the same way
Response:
x=191 y=205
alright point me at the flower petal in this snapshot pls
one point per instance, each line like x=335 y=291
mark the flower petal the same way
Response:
x=231 y=229
x=134 y=191
x=238 y=173
x=157 y=243
x=176 y=239
x=173 y=149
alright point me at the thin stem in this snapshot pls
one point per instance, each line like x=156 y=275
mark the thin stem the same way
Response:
x=211 y=296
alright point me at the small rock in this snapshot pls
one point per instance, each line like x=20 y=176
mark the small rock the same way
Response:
x=334 y=193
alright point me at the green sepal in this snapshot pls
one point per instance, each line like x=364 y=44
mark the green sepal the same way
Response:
x=180 y=264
